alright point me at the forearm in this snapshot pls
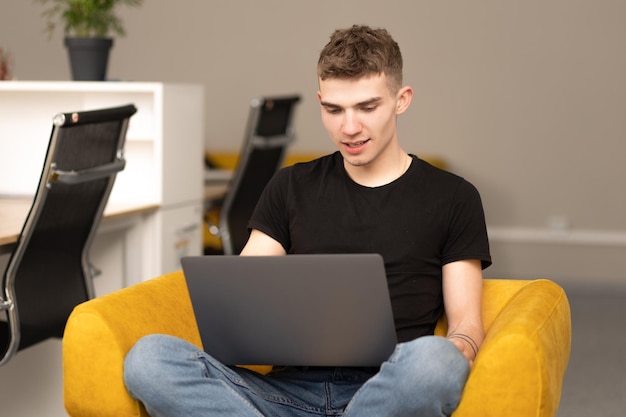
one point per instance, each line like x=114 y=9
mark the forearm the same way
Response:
x=462 y=288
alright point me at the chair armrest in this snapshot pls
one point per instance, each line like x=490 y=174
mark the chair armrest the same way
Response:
x=520 y=367
x=110 y=325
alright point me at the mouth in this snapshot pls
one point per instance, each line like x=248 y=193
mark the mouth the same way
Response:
x=354 y=145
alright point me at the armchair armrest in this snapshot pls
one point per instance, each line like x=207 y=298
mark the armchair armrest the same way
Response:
x=110 y=325
x=520 y=367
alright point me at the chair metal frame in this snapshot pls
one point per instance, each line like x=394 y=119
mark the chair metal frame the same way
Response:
x=54 y=177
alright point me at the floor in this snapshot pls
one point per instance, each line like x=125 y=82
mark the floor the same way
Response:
x=595 y=381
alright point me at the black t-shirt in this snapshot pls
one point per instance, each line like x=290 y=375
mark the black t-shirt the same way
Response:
x=418 y=223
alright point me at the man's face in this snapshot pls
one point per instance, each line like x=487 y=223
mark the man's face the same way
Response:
x=360 y=116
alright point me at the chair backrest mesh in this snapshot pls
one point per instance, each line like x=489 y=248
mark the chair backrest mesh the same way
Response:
x=48 y=273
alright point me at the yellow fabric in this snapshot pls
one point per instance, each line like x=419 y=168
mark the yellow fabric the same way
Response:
x=520 y=367
x=518 y=371
x=209 y=240
x=229 y=160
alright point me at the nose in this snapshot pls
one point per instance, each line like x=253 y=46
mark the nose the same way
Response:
x=351 y=125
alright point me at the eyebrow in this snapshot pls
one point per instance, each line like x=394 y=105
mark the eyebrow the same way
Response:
x=367 y=102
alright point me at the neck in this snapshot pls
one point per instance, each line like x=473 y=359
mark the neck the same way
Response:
x=380 y=172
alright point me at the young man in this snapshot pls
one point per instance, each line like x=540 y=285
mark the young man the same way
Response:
x=370 y=196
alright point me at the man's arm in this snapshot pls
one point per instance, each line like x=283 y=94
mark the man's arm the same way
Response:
x=260 y=244
x=462 y=295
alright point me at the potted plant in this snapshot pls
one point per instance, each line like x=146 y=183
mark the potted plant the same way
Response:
x=88 y=26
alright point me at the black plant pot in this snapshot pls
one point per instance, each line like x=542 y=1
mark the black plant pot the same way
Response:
x=89 y=57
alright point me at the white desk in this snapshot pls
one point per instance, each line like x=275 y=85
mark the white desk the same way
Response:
x=129 y=221
x=13 y=212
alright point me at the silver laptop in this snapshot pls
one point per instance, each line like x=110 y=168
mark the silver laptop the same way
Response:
x=300 y=310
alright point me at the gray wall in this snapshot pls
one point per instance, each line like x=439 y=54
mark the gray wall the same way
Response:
x=525 y=98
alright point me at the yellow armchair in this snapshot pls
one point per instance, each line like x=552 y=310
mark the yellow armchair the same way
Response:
x=518 y=371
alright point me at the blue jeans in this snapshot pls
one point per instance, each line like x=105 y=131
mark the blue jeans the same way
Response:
x=424 y=377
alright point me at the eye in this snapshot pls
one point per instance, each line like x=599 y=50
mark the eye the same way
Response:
x=369 y=108
x=332 y=110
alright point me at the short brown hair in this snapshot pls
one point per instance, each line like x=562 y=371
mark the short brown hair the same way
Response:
x=361 y=51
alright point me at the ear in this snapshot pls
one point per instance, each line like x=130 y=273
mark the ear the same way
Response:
x=404 y=97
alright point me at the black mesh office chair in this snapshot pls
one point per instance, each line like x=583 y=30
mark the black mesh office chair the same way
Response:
x=49 y=271
x=268 y=134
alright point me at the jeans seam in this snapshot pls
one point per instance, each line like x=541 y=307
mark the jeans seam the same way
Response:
x=234 y=378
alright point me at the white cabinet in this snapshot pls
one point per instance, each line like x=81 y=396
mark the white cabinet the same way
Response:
x=181 y=234
x=164 y=152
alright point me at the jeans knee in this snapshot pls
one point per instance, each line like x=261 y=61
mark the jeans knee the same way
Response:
x=436 y=351
x=433 y=364
x=143 y=364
